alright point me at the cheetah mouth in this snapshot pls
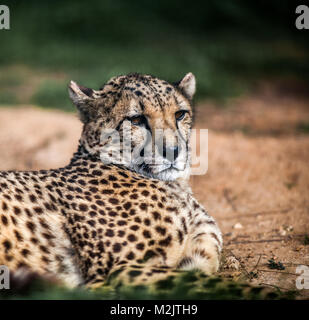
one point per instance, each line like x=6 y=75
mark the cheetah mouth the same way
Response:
x=162 y=168
x=157 y=169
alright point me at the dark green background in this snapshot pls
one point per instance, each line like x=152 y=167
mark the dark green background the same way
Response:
x=229 y=45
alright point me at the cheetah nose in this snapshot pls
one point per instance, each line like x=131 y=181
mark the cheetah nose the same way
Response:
x=170 y=153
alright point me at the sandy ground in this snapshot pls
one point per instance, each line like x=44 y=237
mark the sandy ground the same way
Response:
x=257 y=184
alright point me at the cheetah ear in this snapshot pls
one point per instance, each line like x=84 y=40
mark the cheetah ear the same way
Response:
x=83 y=98
x=187 y=85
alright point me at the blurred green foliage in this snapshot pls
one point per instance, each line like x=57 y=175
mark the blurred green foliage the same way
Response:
x=227 y=44
x=7 y=98
x=303 y=127
x=189 y=285
x=52 y=94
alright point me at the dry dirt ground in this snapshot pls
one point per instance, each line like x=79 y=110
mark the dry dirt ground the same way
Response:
x=257 y=184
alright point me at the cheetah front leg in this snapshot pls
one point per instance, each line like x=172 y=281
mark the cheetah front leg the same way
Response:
x=204 y=243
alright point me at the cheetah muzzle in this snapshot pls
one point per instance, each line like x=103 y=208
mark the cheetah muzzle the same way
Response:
x=123 y=204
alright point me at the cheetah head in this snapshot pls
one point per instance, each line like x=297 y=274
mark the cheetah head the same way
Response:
x=139 y=121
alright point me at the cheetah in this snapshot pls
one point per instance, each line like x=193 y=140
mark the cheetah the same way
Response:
x=110 y=212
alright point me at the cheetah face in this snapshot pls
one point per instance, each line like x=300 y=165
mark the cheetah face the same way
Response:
x=140 y=122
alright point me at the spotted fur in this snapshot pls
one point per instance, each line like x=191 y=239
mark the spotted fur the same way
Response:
x=90 y=220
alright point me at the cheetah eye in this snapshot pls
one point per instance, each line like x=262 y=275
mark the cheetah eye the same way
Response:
x=137 y=120
x=179 y=115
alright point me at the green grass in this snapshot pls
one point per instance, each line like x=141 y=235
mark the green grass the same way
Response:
x=272 y=264
x=187 y=286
